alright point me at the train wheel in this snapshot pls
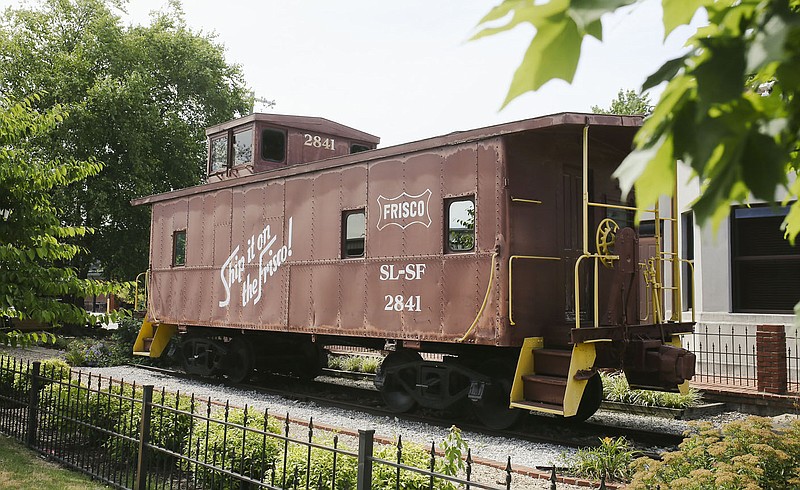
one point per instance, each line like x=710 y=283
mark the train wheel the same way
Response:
x=591 y=399
x=399 y=382
x=238 y=363
x=492 y=409
x=199 y=355
x=314 y=359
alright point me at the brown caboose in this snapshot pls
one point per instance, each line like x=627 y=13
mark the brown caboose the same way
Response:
x=474 y=246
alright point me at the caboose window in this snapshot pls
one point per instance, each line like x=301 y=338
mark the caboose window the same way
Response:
x=273 y=145
x=354 y=233
x=243 y=147
x=460 y=224
x=356 y=148
x=179 y=248
x=219 y=154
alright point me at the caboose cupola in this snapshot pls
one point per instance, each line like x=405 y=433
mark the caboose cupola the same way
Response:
x=261 y=142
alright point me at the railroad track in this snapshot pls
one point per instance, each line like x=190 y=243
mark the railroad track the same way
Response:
x=535 y=428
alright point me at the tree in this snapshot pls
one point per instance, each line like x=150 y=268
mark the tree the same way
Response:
x=729 y=110
x=32 y=237
x=139 y=99
x=628 y=102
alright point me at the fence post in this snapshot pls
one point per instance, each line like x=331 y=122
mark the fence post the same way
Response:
x=33 y=406
x=144 y=438
x=771 y=358
x=365 y=443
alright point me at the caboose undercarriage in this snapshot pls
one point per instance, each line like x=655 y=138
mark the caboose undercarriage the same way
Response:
x=499 y=384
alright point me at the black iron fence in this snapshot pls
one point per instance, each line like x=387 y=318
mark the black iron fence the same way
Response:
x=730 y=355
x=130 y=436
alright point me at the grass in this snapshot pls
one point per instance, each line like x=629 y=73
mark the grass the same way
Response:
x=23 y=468
x=616 y=389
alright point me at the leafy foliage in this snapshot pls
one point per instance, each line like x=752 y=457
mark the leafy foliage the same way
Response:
x=139 y=99
x=612 y=459
x=617 y=389
x=628 y=102
x=15 y=338
x=33 y=240
x=729 y=110
x=747 y=454
x=357 y=364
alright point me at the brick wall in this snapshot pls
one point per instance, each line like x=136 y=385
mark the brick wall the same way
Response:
x=771 y=358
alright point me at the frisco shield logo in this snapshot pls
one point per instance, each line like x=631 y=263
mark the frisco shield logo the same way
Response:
x=404 y=210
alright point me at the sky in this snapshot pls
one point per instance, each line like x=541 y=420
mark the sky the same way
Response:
x=406 y=70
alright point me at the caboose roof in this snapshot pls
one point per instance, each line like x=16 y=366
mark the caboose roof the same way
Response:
x=305 y=123
x=566 y=120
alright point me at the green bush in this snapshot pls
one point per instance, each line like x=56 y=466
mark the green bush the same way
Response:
x=74 y=408
x=321 y=467
x=616 y=389
x=87 y=417
x=611 y=458
x=355 y=364
x=89 y=352
x=748 y=454
x=245 y=452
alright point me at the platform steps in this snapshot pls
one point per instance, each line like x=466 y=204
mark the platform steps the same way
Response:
x=153 y=338
x=544 y=381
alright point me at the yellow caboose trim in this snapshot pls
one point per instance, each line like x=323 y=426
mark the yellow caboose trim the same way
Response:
x=156 y=334
x=525 y=366
x=583 y=356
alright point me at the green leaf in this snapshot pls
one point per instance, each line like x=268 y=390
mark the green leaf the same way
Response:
x=667 y=72
x=553 y=53
x=523 y=12
x=791 y=223
x=679 y=12
x=647 y=166
x=587 y=14
x=762 y=179
x=720 y=77
x=768 y=44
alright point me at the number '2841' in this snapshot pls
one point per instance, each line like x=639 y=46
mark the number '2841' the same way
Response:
x=318 y=141
x=400 y=303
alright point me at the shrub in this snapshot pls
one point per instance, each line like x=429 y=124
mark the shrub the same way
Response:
x=747 y=454
x=88 y=417
x=356 y=364
x=321 y=474
x=88 y=352
x=371 y=364
x=247 y=452
x=616 y=388
x=611 y=458
x=75 y=409
x=123 y=338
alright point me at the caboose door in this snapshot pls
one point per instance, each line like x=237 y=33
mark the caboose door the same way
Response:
x=571 y=231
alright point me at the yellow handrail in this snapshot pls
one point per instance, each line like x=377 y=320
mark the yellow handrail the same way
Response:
x=485 y=300
x=146 y=275
x=510 y=293
x=529 y=201
x=596 y=258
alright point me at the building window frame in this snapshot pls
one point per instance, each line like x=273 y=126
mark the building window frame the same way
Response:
x=762 y=262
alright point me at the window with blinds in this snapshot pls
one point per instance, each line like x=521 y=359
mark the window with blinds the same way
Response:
x=765 y=266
